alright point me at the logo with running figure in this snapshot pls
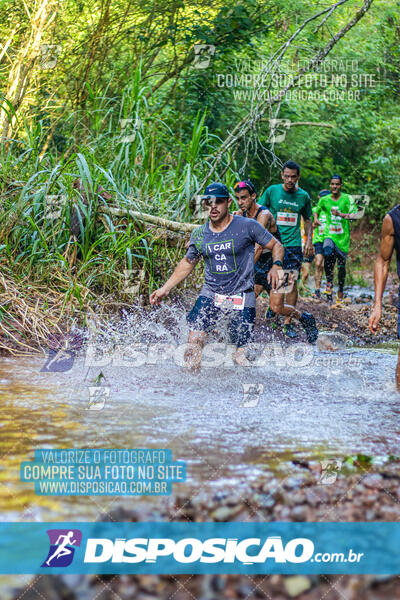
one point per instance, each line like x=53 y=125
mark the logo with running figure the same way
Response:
x=202 y=55
x=62 y=547
x=329 y=471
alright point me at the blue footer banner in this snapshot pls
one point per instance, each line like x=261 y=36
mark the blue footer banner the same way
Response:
x=171 y=547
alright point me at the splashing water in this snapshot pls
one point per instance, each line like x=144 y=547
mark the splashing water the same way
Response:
x=223 y=420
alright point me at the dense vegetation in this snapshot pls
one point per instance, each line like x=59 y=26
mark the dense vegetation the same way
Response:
x=110 y=93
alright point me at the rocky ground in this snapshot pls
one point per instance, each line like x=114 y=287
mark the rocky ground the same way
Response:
x=350 y=318
x=357 y=493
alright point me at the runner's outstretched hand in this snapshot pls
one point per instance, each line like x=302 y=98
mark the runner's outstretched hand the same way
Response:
x=308 y=249
x=374 y=319
x=158 y=295
x=275 y=276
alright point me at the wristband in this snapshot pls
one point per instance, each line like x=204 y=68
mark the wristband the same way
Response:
x=278 y=262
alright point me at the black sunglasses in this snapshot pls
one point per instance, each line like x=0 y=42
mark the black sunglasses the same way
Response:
x=211 y=201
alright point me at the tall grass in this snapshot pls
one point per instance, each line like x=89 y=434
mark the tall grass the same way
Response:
x=142 y=165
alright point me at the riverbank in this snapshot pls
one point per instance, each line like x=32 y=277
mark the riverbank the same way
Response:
x=49 y=328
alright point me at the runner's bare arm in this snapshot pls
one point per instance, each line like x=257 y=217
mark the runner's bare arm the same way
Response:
x=266 y=219
x=349 y=216
x=276 y=249
x=354 y=216
x=316 y=222
x=257 y=252
x=182 y=270
x=277 y=254
x=308 y=230
x=381 y=270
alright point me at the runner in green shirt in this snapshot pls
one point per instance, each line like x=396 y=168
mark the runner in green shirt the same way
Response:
x=340 y=209
x=288 y=203
x=318 y=238
x=318 y=241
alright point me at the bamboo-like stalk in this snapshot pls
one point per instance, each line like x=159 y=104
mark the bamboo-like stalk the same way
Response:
x=165 y=223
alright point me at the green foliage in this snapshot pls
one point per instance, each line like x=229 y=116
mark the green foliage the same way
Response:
x=124 y=108
x=356 y=279
x=359 y=461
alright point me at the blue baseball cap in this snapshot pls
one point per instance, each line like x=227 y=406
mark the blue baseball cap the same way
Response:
x=216 y=190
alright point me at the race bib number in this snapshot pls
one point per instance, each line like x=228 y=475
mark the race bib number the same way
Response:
x=286 y=218
x=335 y=228
x=233 y=302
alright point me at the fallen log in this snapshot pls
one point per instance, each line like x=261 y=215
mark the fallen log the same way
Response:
x=160 y=222
x=170 y=238
x=159 y=234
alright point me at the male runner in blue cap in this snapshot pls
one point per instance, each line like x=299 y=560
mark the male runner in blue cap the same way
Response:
x=226 y=242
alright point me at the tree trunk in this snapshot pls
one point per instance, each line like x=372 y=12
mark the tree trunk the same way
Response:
x=21 y=70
